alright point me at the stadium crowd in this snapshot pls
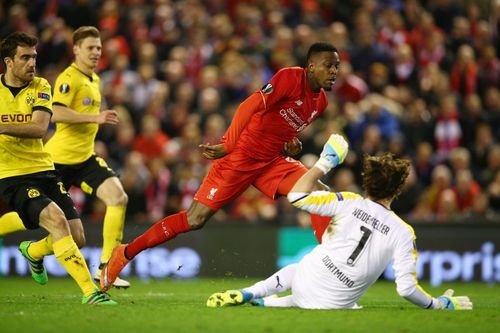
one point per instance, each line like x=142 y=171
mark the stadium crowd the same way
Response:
x=419 y=78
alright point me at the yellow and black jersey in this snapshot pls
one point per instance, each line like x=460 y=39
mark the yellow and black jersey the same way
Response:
x=74 y=143
x=21 y=156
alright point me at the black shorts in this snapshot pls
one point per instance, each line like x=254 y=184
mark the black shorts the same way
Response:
x=4 y=208
x=29 y=194
x=87 y=175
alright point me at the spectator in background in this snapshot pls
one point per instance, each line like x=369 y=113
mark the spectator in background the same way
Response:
x=376 y=114
x=447 y=131
x=151 y=142
x=417 y=124
x=466 y=190
x=490 y=173
x=488 y=69
x=405 y=69
x=480 y=148
x=447 y=208
x=494 y=193
x=424 y=163
x=459 y=160
x=464 y=73
x=441 y=181
x=349 y=87
x=135 y=176
x=460 y=35
x=407 y=201
x=471 y=115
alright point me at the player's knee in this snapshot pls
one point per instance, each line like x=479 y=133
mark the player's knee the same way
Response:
x=122 y=199
x=196 y=219
x=196 y=222
x=53 y=220
x=197 y=215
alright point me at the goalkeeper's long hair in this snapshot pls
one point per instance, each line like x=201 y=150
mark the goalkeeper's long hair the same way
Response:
x=384 y=175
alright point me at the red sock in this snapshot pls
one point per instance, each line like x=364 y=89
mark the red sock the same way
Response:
x=319 y=224
x=162 y=231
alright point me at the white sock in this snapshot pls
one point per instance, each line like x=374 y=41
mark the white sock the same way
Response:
x=279 y=302
x=278 y=282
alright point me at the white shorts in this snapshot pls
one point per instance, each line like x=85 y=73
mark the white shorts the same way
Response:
x=316 y=287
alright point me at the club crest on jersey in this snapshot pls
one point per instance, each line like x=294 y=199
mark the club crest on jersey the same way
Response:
x=86 y=101
x=30 y=99
x=33 y=193
x=213 y=190
x=64 y=88
x=267 y=89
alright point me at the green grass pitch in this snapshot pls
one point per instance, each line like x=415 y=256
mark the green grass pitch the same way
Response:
x=179 y=306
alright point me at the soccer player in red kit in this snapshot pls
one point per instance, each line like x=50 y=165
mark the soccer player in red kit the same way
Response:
x=251 y=152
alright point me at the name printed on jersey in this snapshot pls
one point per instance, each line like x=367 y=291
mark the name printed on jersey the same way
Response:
x=371 y=220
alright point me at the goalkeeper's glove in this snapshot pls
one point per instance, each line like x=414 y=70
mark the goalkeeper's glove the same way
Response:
x=449 y=302
x=333 y=154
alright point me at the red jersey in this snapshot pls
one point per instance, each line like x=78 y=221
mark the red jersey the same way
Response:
x=274 y=115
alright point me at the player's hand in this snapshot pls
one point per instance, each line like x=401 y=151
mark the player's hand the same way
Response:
x=292 y=147
x=213 y=152
x=107 y=117
x=333 y=154
x=449 y=302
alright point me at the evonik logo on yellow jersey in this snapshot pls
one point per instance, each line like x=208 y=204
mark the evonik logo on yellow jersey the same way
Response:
x=15 y=118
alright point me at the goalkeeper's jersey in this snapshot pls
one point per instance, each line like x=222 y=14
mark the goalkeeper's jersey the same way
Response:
x=361 y=240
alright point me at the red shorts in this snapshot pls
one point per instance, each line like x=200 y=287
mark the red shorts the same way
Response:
x=233 y=174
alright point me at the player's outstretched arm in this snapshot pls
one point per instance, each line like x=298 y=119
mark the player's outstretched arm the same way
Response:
x=63 y=114
x=333 y=154
x=445 y=302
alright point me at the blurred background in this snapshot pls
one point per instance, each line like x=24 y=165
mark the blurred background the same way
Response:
x=419 y=78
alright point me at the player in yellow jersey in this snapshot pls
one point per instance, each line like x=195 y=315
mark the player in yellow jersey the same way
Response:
x=28 y=183
x=76 y=112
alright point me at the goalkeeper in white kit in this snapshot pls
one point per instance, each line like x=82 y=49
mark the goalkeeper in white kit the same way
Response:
x=363 y=237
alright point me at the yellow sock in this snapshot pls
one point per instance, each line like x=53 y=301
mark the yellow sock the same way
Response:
x=112 y=230
x=69 y=256
x=9 y=223
x=42 y=248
